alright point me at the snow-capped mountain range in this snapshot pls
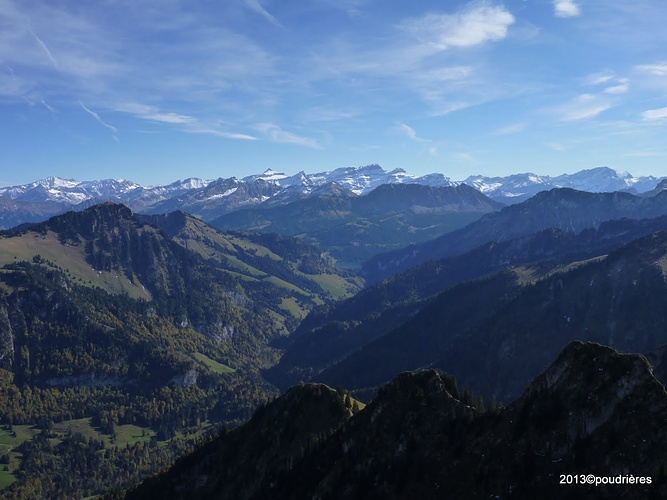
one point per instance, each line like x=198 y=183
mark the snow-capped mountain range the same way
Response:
x=519 y=187
x=212 y=198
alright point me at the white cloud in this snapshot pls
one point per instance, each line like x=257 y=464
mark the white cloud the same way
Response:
x=598 y=78
x=566 y=8
x=474 y=25
x=277 y=134
x=172 y=118
x=582 y=107
x=185 y=123
x=615 y=85
x=654 y=114
x=220 y=133
x=658 y=69
x=409 y=132
x=151 y=113
x=621 y=88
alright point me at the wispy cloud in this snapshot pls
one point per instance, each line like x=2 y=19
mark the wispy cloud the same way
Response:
x=223 y=134
x=614 y=84
x=256 y=6
x=464 y=157
x=172 y=118
x=277 y=134
x=427 y=56
x=474 y=25
x=11 y=85
x=566 y=8
x=46 y=105
x=97 y=117
x=657 y=69
x=582 y=107
x=44 y=47
x=620 y=88
x=409 y=132
x=329 y=114
x=655 y=114
x=352 y=7
x=514 y=128
x=598 y=78
x=185 y=122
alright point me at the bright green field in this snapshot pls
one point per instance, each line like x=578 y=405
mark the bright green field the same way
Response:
x=212 y=364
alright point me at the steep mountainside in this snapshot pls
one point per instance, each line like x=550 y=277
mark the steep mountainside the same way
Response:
x=353 y=228
x=495 y=335
x=564 y=209
x=239 y=463
x=113 y=332
x=593 y=411
x=332 y=332
x=285 y=261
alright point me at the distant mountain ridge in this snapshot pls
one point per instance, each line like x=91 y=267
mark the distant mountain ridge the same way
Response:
x=519 y=187
x=564 y=208
x=209 y=199
x=353 y=228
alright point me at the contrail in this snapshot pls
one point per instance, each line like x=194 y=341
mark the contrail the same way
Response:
x=44 y=47
x=97 y=117
x=257 y=7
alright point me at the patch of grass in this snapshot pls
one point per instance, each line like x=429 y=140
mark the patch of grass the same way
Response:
x=279 y=322
x=6 y=478
x=8 y=444
x=127 y=433
x=81 y=426
x=337 y=286
x=242 y=266
x=259 y=250
x=131 y=434
x=290 y=304
x=213 y=365
x=24 y=433
x=284 y=284
x=70 y=257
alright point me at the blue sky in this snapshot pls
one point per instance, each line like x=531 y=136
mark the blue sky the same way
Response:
x=159 y=90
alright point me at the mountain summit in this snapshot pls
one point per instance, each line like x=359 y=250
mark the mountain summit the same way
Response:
x=593 y=411
x=209 y=199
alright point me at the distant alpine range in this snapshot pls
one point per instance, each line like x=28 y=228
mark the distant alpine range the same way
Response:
x=209 y=199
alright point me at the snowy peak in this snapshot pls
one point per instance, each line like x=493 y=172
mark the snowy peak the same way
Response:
x=268 y=175
x=362 y=180
x=209 y=199
x=519 y=187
